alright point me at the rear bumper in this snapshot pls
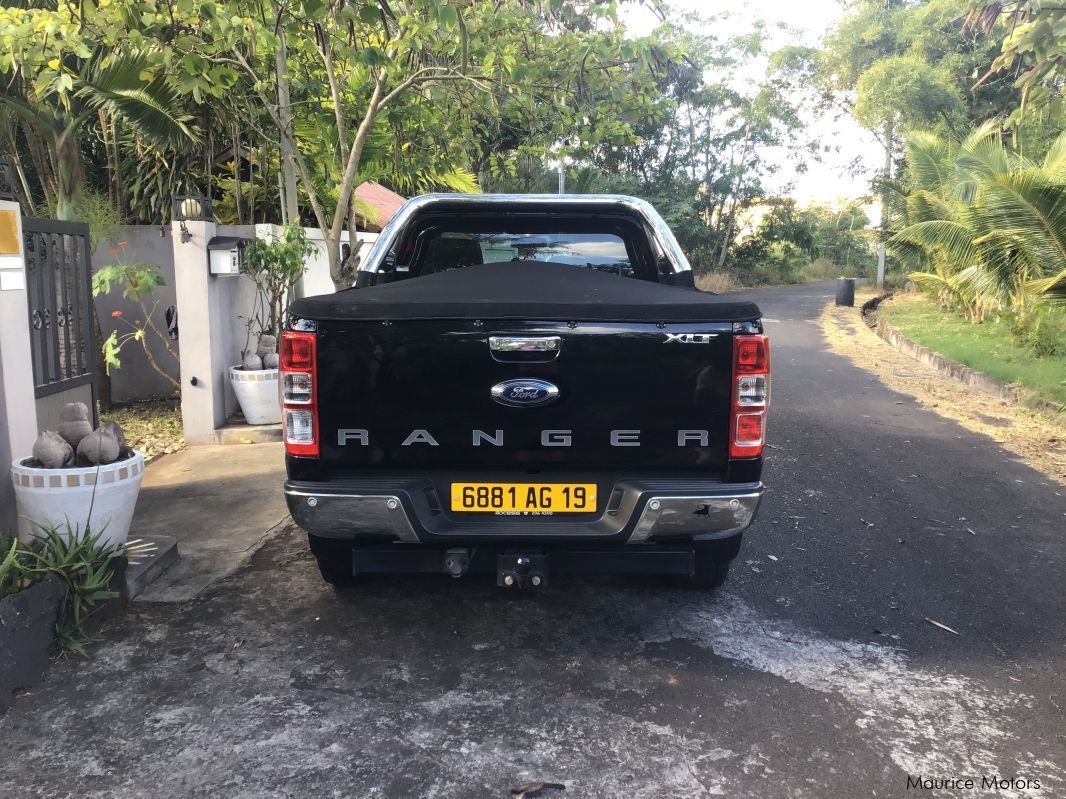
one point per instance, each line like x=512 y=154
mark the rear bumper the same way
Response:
x=640 y=511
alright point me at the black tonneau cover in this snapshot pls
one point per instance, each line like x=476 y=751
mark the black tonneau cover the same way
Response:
x=534 y=290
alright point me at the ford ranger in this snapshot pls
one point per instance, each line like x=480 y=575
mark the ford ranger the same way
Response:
x=524 y=385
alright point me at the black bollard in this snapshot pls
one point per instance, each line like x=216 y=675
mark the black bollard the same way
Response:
x=846 y=291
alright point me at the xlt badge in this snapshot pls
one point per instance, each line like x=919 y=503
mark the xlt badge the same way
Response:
x=690 y=338
x=525 y=393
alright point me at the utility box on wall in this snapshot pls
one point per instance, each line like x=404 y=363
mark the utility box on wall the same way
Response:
x=225 y=255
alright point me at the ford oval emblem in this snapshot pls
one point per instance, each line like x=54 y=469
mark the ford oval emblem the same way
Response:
x=525 y=393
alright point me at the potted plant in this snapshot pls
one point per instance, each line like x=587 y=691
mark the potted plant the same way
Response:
x=48 y=588
x=275 y=265
x=78 y=479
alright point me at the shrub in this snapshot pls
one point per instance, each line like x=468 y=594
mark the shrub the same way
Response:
x=1043 y=330
x=824 y=269
x=716 y=282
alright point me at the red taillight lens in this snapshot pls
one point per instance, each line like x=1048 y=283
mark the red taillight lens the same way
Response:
x=299 y=393
x=749 y=429
x=297 y=351
x=751 y=396
x=752 y=355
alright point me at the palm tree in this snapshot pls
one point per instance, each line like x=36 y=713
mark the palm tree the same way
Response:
x=122 y=87
x=979 y=223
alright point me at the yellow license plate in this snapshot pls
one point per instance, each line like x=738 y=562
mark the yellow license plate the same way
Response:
x=524 y=497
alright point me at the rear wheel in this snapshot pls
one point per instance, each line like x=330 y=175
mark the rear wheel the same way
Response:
x=334 y=558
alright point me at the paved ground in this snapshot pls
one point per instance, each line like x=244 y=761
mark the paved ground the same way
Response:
x=191 y=494
x=814 y=674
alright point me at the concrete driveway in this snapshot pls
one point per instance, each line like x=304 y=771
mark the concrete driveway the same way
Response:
x=815 y=673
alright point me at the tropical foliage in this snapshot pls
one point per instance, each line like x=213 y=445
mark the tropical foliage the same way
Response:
x=982 y=226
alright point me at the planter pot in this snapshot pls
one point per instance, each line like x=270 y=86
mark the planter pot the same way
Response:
x=27 y=627
x=52 y=496
x=257 y=393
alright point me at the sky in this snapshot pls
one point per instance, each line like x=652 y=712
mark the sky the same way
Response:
x=843 y=139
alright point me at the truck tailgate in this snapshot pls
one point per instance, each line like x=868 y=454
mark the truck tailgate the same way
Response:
x=417 y=394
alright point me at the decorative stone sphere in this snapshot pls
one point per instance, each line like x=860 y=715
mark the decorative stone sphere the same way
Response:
x=52 y=451
x=99 y=447
x=271 y=360
x=74 y=423
x=115 y=429
x=267 y=344
x=251 y=361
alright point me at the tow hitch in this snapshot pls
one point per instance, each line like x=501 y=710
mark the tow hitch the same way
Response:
x=520 y=570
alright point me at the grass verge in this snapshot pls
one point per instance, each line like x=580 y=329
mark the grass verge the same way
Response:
x=987 y=347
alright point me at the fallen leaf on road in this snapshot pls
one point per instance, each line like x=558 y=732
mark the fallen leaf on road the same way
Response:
x=935 y=623
x=772 y=557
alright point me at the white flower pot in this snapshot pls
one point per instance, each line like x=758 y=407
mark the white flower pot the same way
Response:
x=257 y=393
x=53 y=496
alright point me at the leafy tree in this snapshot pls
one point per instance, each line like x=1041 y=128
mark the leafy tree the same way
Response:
x=74 y=65
x=1033 y=36
x=275 y=265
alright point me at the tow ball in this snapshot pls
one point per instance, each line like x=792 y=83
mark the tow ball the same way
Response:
x=522 y=571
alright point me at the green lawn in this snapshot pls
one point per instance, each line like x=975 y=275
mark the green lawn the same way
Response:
x=987 y=347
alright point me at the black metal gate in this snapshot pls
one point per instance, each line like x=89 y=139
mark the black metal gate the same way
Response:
x=58 y=282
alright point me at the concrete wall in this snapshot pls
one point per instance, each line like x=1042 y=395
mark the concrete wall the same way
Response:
x=238 y=302
x=18 y=410
x=212 y=314
x=135 y=379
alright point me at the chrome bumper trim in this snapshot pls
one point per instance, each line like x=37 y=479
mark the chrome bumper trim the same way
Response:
x=697 y=515
x=349 y=515
x=717 y=513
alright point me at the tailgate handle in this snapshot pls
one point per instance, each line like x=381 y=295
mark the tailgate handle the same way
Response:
x=525 y=348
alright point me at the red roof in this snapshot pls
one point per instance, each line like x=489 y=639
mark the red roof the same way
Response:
x=384 y=201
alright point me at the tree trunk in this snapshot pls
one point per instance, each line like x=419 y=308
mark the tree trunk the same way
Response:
x=881 y=250
x=103 y=379
x=726 y=239
x=288 y=166
x=68 y=158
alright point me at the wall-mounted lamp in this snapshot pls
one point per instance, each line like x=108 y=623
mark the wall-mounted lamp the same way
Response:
x=192 y=208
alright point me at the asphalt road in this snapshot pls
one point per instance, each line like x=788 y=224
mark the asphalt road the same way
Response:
x=814 y=673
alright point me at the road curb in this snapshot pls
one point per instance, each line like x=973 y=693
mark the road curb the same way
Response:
x=944 y=365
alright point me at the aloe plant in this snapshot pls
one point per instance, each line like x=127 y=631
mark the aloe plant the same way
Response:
x=79 y=560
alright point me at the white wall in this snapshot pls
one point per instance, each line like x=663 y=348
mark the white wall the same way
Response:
x=18 y=410
x=317 y=280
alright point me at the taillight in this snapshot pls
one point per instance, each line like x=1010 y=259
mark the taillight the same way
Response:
x=751 y=396
x=299 y=398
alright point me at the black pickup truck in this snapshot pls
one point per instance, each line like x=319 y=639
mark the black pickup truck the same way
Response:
x=524 y=385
